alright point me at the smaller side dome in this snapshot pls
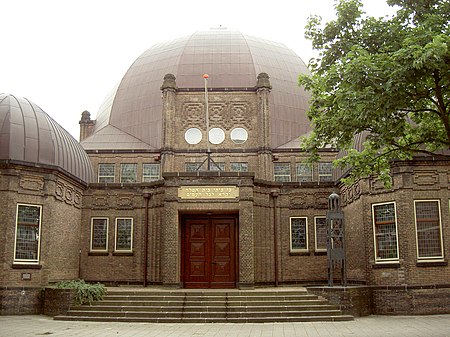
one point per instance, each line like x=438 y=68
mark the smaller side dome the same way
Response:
x=28 y=134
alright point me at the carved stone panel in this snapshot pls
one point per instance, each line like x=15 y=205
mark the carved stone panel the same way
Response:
x=426 y=179
x=68 y=194
x=33 y=183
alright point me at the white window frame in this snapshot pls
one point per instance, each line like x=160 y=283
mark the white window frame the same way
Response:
x=148 y=178
x=298 y=250
x=298 y=176
x=116 y=236
x=315 y=234
x=91 y=249
x=38 y=236
x=275 y=175
x=122 y=166
x=101 y=176
x=429 y=258
x=324 y=176
x=375 y=242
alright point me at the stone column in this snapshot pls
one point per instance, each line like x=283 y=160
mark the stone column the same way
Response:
x=169 y=91
x=263 y=88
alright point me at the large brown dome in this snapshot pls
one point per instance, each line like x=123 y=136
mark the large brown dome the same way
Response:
x=29 y=135
x=131 y=116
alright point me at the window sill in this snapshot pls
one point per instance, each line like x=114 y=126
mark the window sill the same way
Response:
x=382 y=265
x=431 y=263
x=300 y=253
x=318 y=253
x=98 y=254
x=118 y=253
x=26 y=266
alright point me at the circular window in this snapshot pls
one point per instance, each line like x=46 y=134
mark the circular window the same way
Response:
x=216 y=136
x=239 y=135
x=193 y=136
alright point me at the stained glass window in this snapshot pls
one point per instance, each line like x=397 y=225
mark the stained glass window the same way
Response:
x=99 y=234
x=385 y=232
x=321 y=233
x=299 y=234
x=304 y=172
x=128 y=173
x=124 y=234
x=428 y=230
x=150 y=172
x=28 y=228
x=282 y=172
x=105 y=173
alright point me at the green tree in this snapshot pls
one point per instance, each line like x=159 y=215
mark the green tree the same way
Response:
x=385 y=80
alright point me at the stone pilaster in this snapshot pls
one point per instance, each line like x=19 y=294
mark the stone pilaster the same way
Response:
x=169 y=92
x=263 y=88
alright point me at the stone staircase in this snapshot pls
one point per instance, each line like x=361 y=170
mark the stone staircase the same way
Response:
x=207 y=306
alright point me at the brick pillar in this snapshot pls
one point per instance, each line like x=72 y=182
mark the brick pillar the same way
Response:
x=86 y=125
x=246 y=238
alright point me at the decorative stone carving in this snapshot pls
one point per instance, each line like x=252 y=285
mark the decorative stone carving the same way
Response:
x=125 y=202
x=321 y=200
x=33 y=183
x=263 y=81
x=169 y=82
x=100 y=203
x=426 y=178
x=68 y=194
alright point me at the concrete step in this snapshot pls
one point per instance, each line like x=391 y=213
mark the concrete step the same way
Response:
x=163 y=319
x=196 y=306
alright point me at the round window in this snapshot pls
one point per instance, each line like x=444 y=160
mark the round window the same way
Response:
x=216 y=136
x=193 y=136
x=239 y=135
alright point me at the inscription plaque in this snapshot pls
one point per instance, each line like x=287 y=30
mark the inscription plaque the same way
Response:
x=208 y=192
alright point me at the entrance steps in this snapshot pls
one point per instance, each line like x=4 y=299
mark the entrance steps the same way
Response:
x=207 y=306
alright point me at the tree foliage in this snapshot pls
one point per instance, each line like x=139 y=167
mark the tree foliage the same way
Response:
x=384 y=78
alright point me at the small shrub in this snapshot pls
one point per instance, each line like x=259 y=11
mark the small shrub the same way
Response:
x=85 y=292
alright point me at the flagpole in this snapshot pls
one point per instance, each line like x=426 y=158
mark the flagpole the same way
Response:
x=208 y=148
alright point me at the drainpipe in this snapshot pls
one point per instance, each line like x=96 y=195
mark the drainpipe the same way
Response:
x=274 y=195
x=146 y=196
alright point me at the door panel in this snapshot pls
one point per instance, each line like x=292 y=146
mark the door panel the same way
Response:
x=209 y=249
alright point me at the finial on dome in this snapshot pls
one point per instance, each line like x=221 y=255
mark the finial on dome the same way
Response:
x=263 y=81
x=169 y=82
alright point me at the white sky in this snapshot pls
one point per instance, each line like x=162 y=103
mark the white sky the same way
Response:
x=65 y=56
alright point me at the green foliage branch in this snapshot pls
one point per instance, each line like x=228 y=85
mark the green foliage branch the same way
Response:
x=86 y=293
x=386 y=79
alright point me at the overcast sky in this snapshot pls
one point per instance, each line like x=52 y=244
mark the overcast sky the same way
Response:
x=66 y=55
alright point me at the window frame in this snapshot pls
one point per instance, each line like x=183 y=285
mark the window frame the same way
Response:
x=375 y=242
x=152 y=177
x=116 y=236
x=275 y=175
x=429 y=258
x=104 y=176
x=91 y=249
x=38 y=234
x=297 y=175
x=320 y=175
x=235 y=164
x=299 y=250
x=135 y=165
x=315 y=234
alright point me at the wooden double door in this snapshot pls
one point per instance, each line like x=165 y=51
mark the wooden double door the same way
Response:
x=209 y=252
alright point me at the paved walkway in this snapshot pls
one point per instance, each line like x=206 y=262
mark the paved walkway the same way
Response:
x=395 y=326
